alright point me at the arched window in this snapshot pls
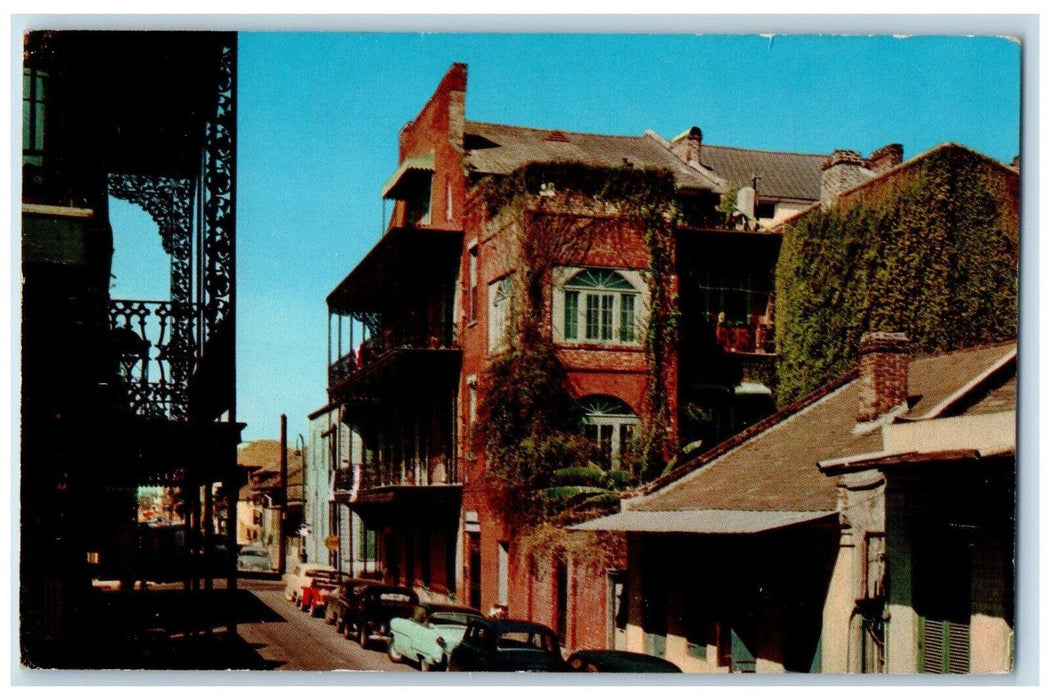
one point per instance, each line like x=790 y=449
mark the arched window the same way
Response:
x=609 y=423
x=600 y=306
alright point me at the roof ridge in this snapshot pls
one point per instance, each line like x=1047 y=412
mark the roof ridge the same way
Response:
x=900 y=167
x=766 y=150
x=969 y=348
x=564 y=131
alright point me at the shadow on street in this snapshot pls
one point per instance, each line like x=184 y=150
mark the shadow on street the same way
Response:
x=167 y=628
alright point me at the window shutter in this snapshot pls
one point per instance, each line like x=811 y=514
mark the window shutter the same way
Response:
x=945 y=646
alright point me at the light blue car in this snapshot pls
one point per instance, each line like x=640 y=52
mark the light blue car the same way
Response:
x=429 y=635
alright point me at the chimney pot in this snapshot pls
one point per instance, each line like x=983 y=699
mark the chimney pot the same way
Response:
x=688 y=146
x=842 y=170
x=884 y=359
x=886 y=158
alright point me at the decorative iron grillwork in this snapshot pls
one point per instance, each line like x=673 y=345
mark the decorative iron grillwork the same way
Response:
x=155 y=347
x=160 y=342
x=218 y=194
x=169 y=201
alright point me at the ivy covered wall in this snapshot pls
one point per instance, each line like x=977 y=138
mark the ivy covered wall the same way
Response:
x=930 y=250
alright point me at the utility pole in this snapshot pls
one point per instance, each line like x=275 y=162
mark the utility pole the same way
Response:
x=284 y=495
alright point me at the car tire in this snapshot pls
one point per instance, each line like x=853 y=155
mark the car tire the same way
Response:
x=393 y=655
x=425 y=666
x=362 y=635
x=348 y=630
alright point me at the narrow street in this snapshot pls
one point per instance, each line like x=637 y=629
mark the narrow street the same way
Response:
x=298 y=642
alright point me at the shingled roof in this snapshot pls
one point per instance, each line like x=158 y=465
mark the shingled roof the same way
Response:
x=499 y=150
x=776 y=470
x=263 y=459
x=780 y=175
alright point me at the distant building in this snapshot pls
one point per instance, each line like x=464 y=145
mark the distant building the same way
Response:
x=266 y=500
x=331 y=533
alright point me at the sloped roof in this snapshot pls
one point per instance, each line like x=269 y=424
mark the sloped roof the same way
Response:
x=260 y=454
x=777 y=469
x=1002 y=398
x=263 y=457
x=910 y=164
x=780 y=175
x=502 y=149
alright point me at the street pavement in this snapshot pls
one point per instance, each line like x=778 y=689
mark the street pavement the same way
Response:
x=291 y=640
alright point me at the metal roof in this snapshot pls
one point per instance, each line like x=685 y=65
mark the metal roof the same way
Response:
x=410 y=165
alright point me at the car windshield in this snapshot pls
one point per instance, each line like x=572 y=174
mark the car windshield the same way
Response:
x=527 y=641
x=392 y=597
x=450 y=618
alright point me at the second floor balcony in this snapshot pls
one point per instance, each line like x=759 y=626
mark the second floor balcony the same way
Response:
x=372 y=484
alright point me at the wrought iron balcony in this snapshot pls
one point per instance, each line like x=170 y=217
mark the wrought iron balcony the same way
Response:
x=362 y=478
x=385 y=349
x=156 y=344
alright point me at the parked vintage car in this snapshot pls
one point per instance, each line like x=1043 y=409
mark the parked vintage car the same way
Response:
x=615 y=661
x=373 y=606
x=300 y=578
x=342 y=598
x=315 y=596
x=429 y=634
x=507 y=645
x=253 y=558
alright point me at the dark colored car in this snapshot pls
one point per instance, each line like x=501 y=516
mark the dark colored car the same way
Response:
x=611 y=661
x=341 y=599
x=373 y=606
x=507 y=645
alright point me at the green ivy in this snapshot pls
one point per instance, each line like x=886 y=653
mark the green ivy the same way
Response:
x=530 y=431
x=931 y=251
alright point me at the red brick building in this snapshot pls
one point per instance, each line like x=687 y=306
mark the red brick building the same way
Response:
x=499 y=229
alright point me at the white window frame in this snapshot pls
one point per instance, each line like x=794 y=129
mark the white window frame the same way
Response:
x=501 y=309
x=614 y=418
x=599 y=310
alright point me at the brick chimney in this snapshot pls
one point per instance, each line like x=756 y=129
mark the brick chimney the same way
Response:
x=688 y=145
x=889 y=156
x=842 y=170
x=883 y=374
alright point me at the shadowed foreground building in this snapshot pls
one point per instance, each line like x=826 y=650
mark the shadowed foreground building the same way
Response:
x=118 y=393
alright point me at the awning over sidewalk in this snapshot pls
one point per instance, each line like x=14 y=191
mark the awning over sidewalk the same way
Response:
x=702 y=522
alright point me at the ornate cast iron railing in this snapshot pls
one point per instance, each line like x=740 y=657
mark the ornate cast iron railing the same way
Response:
x=161 y=342
x=341 y=369
x=155 y=344
x=362 y=477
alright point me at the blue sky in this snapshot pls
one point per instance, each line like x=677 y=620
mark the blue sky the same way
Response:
x=319 y=115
